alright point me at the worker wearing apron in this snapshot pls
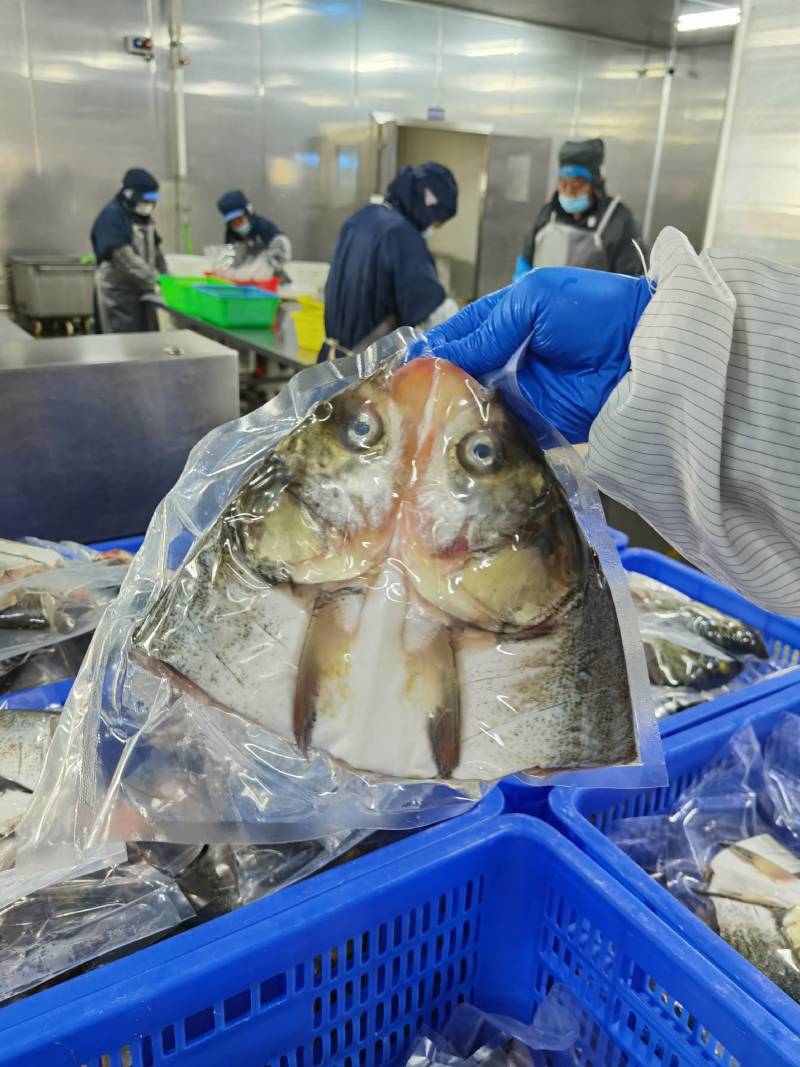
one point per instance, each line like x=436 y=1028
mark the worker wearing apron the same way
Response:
x=127 y=249
x=382 y=272
x=582 y=226
x=253 y=236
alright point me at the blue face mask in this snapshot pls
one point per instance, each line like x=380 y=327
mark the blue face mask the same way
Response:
x=575 y=205
x=243 y=228
x=427 y=234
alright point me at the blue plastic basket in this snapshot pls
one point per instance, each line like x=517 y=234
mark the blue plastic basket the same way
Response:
x=782 y=635
x=619 y=538
x=587 y=815
x=345 y=968
x=128 y=544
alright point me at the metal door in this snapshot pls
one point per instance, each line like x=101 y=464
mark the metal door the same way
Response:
x=517 y=184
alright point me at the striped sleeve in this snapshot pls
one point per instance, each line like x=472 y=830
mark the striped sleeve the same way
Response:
x=702 y=437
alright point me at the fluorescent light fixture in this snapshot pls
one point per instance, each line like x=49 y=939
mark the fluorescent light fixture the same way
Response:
x=713 y=19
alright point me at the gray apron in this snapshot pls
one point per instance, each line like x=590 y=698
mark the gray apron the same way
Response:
x=119 y=300
x=558 y=244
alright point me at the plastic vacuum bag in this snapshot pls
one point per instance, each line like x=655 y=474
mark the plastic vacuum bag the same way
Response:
x=730 y=849
x=694 y=653
x=472 y=1038
x=357 y=605
x=50 y=592
x=220 y=878
x=49 y=929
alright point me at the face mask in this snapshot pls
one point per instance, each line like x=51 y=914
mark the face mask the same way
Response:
x=145 y=207
x=575 y=205
x=243 y=228
x=427 y=234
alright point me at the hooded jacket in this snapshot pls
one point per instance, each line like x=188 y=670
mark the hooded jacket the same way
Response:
x=382 y=270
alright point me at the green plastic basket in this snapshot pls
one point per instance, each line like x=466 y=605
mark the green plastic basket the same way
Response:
x=179 y=290
x=236 y=306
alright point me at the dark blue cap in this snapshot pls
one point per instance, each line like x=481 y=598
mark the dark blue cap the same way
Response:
x=233 y=203
x=141 y=181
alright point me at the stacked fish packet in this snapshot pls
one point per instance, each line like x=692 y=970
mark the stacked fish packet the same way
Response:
x=358 y=607
x=694 y=653
x=51 y=593
x=730 y=848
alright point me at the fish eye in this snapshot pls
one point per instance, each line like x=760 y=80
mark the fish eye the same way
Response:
x=480 y=452
x=361 y=430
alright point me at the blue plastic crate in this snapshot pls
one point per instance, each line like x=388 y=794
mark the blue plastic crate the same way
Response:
x=41 y=696
x=620 y=539
x=782 y=635
x=587 y=815
x=343 y=970
x=128 y=544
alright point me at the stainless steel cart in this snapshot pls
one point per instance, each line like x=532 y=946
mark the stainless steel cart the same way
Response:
x=52 y=289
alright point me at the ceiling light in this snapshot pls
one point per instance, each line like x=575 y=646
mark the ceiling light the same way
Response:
x=713 y=19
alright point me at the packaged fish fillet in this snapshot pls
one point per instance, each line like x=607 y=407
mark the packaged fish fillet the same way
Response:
x=694 y=653
x=472 y=1037
x=24 y=740
x=50 y=592
x=730 y=849
x=357 y=606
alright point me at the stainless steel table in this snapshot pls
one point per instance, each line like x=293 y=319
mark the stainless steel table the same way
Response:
x=95 y=430
x=267 y=358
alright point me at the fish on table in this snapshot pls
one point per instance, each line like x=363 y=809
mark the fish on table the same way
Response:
x=401 y=583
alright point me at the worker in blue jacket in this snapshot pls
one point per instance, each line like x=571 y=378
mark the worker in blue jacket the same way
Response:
x=382 y=273
x=127 y=248
x=252 y=234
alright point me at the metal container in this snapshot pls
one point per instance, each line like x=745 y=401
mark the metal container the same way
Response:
x=52 y=287
x=94 y=431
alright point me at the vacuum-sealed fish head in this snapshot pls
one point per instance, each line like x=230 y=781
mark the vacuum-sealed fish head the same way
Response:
x=487 y=531
x=323 y=505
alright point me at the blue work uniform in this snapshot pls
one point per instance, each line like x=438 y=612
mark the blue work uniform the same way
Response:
x=382 y=274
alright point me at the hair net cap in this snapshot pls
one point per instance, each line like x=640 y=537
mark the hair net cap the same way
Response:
x=424 y=194
x=141 y=181
x=233 y=203
x=582 y=159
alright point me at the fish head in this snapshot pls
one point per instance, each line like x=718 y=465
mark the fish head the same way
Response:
x=323 y=505
x=487 y=535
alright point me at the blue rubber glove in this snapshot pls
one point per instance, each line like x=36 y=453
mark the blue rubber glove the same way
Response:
x=580 y=323
x=521 y=268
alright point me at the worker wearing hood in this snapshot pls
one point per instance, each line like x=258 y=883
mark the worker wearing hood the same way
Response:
x=127 y=248
x=252 y=234
x=582 y=226
x=382 y=273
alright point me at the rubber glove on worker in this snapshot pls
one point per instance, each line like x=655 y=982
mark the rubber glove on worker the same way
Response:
x=580 y=323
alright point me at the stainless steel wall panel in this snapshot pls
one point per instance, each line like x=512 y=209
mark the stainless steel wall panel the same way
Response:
x=278 y=99
x=225 y=135
x=95 y=116
x=697 y=104
x=759 y=201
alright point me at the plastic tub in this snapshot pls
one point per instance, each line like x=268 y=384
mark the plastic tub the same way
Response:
x=345 y=968
x=179 y=292
x=782 y=635
x=309 y=323
x=234 y=306
x=586 y=815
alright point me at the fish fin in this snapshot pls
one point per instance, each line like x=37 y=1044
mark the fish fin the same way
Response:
x=324 y=633
x=444 y=726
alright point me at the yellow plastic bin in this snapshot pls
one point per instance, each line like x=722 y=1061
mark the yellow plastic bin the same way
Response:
x=309 y=322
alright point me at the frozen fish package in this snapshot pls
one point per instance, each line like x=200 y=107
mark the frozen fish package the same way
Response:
x=387 y=599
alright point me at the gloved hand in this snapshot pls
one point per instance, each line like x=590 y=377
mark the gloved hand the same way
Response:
x=580 y=323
